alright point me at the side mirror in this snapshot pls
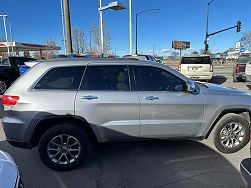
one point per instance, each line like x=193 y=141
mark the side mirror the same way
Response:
x=190 y=86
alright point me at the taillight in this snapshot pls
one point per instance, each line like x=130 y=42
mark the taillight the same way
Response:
x=178 y=68
x=237 y=68
x=9 y=101
x=211 y=68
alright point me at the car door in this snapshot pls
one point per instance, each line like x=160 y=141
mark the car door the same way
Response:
x=108 y=103
x=167 y=110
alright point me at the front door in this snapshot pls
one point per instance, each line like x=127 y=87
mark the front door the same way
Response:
x=167 y=110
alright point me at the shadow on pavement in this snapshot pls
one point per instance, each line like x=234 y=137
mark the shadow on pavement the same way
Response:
x=145 y=164
x=219 y=79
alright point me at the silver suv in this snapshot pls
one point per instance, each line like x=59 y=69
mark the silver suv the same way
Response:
x=65 y=106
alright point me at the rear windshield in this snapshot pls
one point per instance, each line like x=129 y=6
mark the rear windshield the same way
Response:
x=196 y=60
x=244 y=59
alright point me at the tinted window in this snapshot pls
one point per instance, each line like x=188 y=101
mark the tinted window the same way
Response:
x=196 y=60
x=109 y=78
x=62 y=78
x=244 y=59
x=156 y=79
x=4 y=62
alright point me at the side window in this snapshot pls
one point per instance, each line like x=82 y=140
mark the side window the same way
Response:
x=107 y=77
x=61 y=78
x=156 y=79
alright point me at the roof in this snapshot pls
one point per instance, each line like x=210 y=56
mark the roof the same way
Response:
x=196 y=55
x=84 y=61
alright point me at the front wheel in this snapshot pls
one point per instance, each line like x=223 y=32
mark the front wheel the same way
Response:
x=231 y=133
x=64 y=147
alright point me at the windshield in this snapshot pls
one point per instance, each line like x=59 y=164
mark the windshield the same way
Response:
x=196 y=60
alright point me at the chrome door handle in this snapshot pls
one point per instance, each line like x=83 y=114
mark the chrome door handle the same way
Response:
x=89 y=97
x=151 y=98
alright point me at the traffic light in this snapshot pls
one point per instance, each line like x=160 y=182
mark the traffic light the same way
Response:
x=206 y=48
x=238 y=26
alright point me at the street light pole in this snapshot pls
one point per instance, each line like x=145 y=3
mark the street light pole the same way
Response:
x=130 y=25
x=206 y=37
x=101 y=28
x=6 y=34
x=136 y=52
x=11 y=37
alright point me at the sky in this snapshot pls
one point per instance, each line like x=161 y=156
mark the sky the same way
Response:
x=36 y=21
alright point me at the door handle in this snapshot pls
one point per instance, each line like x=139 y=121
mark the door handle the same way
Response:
x=151 y=98
x=89 y=97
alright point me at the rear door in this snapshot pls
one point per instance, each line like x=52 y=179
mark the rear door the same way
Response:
x=167 y=110
x=107 y=102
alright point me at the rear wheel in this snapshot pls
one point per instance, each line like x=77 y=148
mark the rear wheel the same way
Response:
x=235 y=79
x=231 y=133
x=64 y=147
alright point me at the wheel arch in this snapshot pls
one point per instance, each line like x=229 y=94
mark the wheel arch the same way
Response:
x=48 y=122
x=245 y=113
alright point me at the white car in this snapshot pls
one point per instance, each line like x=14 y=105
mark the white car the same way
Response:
x=9 y=174
x=196 y=67
x=248 y=74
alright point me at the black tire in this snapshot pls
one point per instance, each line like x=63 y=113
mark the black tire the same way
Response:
x=75 y=135
x=4 y=85
x=235 y=80
x=224 y=121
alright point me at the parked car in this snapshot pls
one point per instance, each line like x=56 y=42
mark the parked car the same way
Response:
x=9 y=174
x=143 y=57
x=239 y=67
x=196 y=67
x=9 y=70
x=27 y=65
x=64 y=106
x=248 y=74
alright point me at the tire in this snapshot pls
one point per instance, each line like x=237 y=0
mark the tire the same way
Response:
x=235 y=80
x=3 y=86
x=223 y=128
x=50 y=144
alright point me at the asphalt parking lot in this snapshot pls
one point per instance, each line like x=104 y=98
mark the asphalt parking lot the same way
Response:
x=145 y=164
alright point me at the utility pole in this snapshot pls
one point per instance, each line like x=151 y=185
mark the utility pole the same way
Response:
x=67 y=22
x=63 y=25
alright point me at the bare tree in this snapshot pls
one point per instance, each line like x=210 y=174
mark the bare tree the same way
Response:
x=248 y=40
x=78 y=40
x=47 y=54
x=96 y=38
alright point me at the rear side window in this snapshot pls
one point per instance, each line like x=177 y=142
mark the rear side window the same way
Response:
x=196 y=60
x=67 y=78
x=106 y=78
x=156 y=79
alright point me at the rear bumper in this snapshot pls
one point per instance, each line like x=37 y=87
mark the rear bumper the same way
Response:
x=17 y=131
x=200 y=77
